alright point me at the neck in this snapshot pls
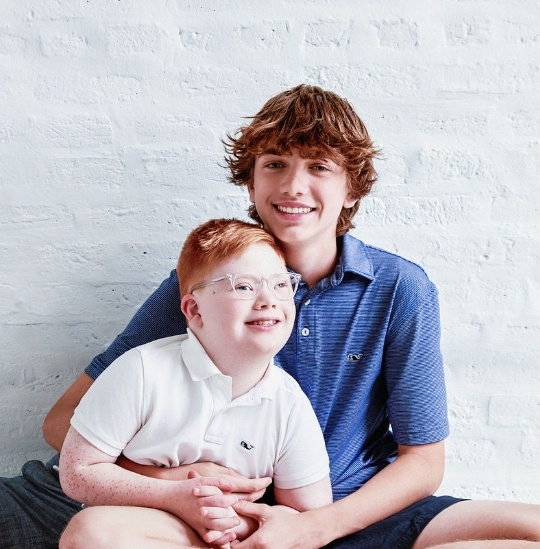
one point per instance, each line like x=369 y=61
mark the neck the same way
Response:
x=312 y=262
x=241 y=383
x=245 y=372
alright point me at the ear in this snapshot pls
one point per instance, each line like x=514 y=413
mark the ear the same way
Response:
x=190 y=308
x=251 y=191
x=349 y=201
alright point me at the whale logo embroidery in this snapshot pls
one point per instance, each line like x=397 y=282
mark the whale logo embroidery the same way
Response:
x=246 y=446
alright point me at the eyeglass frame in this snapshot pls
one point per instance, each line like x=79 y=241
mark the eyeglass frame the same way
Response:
x=294 y=277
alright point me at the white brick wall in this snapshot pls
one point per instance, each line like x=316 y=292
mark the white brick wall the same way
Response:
x=111 y=115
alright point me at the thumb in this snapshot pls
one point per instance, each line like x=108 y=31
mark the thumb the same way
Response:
x=258 y=511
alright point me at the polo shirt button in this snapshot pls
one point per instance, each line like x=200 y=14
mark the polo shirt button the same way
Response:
x=305 y=331
x=307 y=302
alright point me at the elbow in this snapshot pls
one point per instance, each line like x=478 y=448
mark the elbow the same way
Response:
x=69 y=484
x=47 y=431
x=435 y=472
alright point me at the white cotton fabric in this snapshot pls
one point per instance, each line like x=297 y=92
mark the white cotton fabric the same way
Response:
x=166 y=403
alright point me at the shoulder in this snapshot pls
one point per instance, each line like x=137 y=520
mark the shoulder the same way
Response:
x=159 y=353
x=163 y=344
x=382 y=267
x=288 y=390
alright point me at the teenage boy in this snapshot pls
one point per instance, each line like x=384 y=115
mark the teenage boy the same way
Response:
x=365 y=349
x=211 y=395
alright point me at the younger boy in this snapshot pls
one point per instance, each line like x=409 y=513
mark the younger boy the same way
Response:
x=211 y=395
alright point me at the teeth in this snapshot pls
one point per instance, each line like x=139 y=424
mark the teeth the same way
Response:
x=289 y=210
x=264 y=322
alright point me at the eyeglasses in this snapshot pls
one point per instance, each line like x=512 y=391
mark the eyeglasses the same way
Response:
x=248 y=286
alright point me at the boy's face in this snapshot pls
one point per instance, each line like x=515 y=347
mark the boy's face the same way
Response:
x=299 y=199
x=251 y=328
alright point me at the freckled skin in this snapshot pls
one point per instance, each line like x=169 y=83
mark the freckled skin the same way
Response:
x=92 y=477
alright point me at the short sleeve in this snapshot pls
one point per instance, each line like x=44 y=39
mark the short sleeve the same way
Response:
x=111 y=411
x=304 y=459
x=413 y=365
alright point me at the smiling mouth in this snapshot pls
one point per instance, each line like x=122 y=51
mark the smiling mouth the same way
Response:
x=296 y=210
x=263 y=322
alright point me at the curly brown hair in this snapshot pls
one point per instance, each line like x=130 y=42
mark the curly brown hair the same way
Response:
x=314 y=122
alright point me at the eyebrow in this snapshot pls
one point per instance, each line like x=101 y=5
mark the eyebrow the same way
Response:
x=272 y=151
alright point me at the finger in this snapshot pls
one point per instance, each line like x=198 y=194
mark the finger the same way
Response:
x=251 y=496
x=258 y=511
x=205 y=491
x=217 y=512
x=249 y=485
x=192 y=474
x=219 y=537
x=224 y=501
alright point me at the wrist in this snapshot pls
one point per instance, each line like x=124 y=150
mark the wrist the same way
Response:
x=322 y=525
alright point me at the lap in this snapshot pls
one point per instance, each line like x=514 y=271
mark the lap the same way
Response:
x=398 y=531
x=112 y=526
x=33 y=508
x=477 y=520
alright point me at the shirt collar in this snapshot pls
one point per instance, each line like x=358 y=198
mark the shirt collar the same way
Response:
x=200 y=367
x=196 y=360
x=354 y=258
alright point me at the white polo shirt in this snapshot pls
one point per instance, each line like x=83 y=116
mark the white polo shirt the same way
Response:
x=166 y=403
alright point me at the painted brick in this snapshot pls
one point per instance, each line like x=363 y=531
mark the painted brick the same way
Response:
x=111 y=120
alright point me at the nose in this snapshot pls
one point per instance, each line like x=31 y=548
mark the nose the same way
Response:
x=294 y=181
x=265 y=296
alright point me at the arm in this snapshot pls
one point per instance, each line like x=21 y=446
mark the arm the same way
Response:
x=416 y=473
x=56 y=423
x=91 y=476
x=245 y=488
x=312 y=496
x=56 y=426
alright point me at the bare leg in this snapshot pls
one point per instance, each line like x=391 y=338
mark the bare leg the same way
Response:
x=488 y=544
x=127 y=528
x=479 y=524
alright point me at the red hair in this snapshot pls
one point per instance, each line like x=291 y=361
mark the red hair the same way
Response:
x=213 y=242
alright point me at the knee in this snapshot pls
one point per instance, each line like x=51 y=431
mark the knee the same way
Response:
x=82 y=532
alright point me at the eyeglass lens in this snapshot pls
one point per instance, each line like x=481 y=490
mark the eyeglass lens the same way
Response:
x=247 y=286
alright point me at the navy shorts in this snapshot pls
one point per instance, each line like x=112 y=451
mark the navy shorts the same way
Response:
x=398 y=531
x=33 y=509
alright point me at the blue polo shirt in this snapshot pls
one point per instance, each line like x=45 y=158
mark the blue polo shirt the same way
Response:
x=365 y=349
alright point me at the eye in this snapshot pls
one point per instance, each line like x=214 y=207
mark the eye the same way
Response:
x=320 y=168
x=274 y=165
x=243 y=287
x=245 y=284
x=283 y=287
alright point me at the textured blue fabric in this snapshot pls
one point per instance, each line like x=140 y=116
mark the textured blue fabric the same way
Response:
x=365 y=349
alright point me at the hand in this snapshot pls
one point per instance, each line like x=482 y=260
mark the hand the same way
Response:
x=246 y=525
x=204 y=504
x=277 y=528
x=244 y=488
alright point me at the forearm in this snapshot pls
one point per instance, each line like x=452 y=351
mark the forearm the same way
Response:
x=109 y=484
x=408 y=479
x=153 y=471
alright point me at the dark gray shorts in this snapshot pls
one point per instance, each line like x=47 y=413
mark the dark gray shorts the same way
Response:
x=398 y=531
x=33 y=509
